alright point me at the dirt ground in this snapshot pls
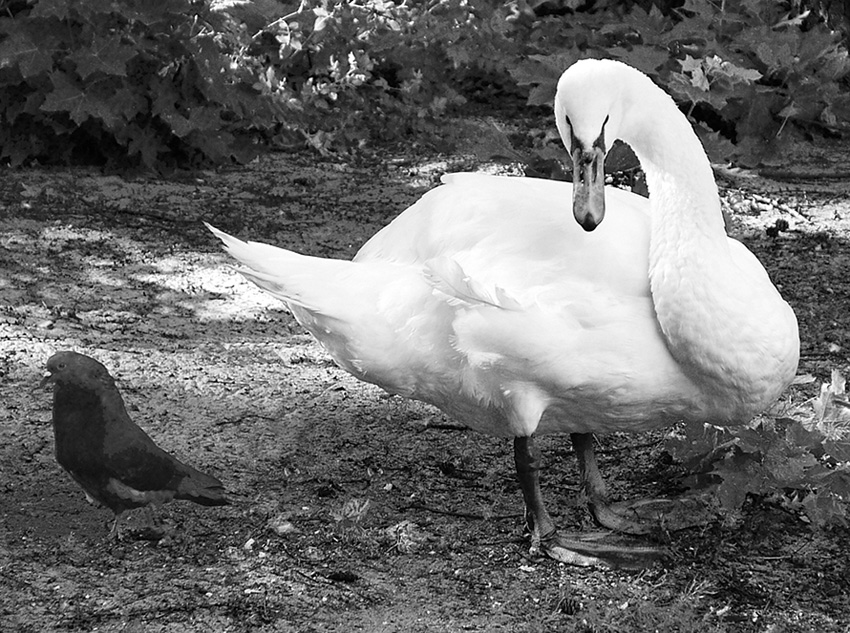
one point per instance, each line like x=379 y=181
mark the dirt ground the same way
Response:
x=355 y=511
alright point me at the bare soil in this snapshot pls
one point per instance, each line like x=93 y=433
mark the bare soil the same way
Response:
x=355 y=511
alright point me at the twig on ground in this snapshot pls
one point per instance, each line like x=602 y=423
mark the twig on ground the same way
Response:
x=416 y=505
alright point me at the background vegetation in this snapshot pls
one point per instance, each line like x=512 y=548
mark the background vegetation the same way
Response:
x=167 y=83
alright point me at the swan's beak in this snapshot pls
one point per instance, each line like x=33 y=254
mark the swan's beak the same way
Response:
x=588 y=185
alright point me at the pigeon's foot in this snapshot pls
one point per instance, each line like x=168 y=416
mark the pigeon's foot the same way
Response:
x=141 y=524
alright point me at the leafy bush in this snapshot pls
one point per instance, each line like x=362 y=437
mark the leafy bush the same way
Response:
x=746 y=72
x=752 y=74
x=125 y=81
x=167 y=81
x=352 y=72
x=801 y=458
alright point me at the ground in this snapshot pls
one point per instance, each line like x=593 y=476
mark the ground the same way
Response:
x=353 y=510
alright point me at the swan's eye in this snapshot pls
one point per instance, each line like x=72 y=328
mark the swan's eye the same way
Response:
x=600 y=140
x=569 y=135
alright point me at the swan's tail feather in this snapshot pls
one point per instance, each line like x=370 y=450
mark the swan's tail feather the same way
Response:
x=273 y=285
x=298 y=280
x=255 y=255
x=367 y=315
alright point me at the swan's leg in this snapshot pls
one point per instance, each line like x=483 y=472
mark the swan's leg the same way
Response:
x=597 y=493
x=527 y=460
x=637 y=517
x=545 y=538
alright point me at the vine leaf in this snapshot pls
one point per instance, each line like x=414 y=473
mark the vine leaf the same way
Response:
x=645 y=58
x=542 y=72
x=32 y=58
x=81 y=105
x=107 y=55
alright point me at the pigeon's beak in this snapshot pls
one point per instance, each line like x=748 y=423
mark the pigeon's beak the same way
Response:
x=46 y=380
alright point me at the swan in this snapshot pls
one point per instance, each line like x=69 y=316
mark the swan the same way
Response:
x=486 y=300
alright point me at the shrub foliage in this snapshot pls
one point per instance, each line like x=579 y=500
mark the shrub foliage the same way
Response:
x=142 y=82
x=163 y=82
x=798 y=457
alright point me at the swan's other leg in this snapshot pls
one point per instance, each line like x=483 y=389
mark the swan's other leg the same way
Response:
x=637 y=517
x=597 y=493
x=572 y=549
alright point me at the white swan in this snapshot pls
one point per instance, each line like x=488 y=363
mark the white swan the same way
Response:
x=485 y=299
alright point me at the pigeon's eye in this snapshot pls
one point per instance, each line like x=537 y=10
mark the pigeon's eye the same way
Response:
x=60 y=366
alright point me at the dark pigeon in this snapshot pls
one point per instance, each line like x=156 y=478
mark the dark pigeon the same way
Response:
x=115 y=462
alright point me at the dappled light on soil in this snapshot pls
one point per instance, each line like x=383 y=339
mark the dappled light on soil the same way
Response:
x=357 y=511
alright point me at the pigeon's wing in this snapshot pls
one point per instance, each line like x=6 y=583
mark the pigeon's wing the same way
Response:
x=140 y=469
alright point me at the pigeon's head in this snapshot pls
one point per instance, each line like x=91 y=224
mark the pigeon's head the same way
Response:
x=73 y=369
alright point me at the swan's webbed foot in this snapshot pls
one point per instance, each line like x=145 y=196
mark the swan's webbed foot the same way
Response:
x=602 y=549
x=652 y=516
x=646 y=516
x=596 y=550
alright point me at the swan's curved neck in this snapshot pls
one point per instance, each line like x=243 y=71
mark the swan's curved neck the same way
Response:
x=677 y=171
x=717 y=317
x=688 y=238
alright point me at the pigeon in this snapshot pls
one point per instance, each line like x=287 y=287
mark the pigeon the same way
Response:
x=115 y=462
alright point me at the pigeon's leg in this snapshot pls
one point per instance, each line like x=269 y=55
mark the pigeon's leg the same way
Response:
x=645 y=516
x=151 y=526
x=574 y=549
x=115 y=532
x=144 y=524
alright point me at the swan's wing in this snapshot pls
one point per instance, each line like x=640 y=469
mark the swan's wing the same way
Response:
x=540 y=305
x=449 y=278
x=598 y=358
x=519 y=235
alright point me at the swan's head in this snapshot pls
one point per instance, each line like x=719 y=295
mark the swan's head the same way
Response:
x=591 y=106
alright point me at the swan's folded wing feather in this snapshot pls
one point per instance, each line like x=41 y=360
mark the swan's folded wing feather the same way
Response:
x=449 y=278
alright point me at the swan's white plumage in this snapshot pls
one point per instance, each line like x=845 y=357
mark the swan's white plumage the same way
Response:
x=486 y=299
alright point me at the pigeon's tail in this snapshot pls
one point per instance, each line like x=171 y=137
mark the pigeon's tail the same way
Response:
x=202 y=489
